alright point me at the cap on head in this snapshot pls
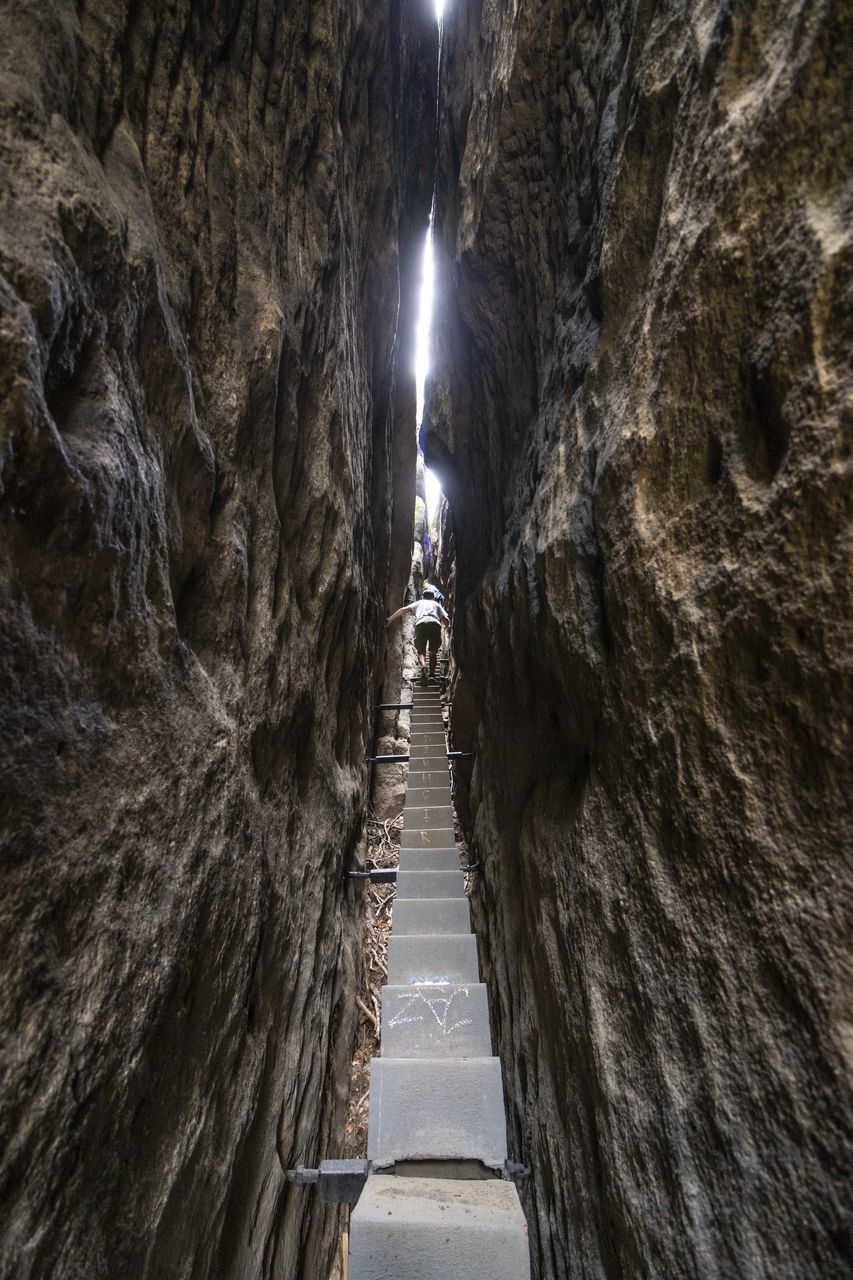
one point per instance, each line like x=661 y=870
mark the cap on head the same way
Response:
x=428 y=593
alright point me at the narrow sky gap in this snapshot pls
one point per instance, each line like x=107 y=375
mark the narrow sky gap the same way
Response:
x=423 y=324
x=433 y=490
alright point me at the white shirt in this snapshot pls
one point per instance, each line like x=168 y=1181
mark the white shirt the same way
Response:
x=428 y=611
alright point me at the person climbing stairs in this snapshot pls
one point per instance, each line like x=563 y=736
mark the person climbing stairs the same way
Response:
x=438 y=1202
x=430 y=617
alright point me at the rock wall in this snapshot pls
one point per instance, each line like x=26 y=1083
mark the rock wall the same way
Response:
x=207 y=213
x=388 y=789
x=637 y=414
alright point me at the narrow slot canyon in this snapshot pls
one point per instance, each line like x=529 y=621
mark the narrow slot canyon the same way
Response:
x=606 y=844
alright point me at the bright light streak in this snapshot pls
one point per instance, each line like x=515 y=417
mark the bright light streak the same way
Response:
x=433 y=494
x=433 y=488
x=423 y=324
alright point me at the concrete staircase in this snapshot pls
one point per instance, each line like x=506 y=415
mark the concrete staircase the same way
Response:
x=435 y=1206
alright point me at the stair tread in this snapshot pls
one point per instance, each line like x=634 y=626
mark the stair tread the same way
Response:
x=430 y=915
x=429 y=860
x=427 y=837
x=438 y=1229
x=436 y=1109
x=412 y=883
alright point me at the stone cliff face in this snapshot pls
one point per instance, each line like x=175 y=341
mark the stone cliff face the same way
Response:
x=637 y=416
x=207 y=211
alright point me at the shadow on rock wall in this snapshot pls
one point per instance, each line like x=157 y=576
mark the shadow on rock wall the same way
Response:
x=637 y=416
x=207 y=210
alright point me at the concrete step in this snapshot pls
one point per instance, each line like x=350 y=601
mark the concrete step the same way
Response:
x=425 y=816
x=417 y=796
x=434 y=738
x=430 y=884
x=436 y=1109
x=427 y=838
x=430 y=915
x=427 y=761
x=429 y=860
x=444 y=1020
x=432 y=958
x=438 y=777
x=438 y=1229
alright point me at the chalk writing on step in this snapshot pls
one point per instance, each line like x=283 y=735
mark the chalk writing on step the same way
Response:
x=432 y=1005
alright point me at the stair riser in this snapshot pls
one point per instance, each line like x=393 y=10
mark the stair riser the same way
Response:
x=417 y=797
x=425 y=816
x=430 y=884
x=423 y=778
x=430 y=916
x=428 y=838
x=436 y=1109
x=432 y=958
x=435 y=1021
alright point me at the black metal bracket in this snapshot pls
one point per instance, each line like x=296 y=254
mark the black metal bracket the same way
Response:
x=338 y=1181
x=393 y=706
x=342 y=1181
x=451 y=755
x=376 y=875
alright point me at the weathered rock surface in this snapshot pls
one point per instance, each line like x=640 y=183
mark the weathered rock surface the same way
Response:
x=388 y=788
x=205 y=446
x=643 y=275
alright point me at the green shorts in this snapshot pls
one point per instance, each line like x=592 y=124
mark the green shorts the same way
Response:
x=428 y=633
